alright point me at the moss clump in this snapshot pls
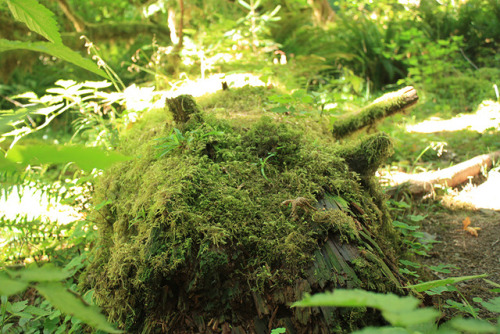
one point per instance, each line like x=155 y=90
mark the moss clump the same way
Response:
x=203 y=230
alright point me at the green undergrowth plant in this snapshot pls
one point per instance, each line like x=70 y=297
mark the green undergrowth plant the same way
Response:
x=298 y=103
x=62 y=310
x=182 y=141
x=95 y=115
x=402 y=313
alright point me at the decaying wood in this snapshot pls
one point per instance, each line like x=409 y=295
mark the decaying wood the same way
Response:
x=422 y=183
x=382 y=107
x=182 y=108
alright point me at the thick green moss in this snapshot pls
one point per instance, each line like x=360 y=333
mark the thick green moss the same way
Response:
x=217 y=219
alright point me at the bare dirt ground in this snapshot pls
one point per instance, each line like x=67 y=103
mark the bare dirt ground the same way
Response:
x=473 y=255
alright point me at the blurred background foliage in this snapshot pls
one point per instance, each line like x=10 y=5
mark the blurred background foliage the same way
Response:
x=381 y=42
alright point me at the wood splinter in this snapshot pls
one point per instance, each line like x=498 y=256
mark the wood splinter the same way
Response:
x=301 y=202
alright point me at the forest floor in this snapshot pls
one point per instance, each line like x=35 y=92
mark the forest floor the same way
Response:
x=467 y=254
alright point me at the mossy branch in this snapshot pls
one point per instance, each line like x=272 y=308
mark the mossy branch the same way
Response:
x=366 y=156
x=384 y=106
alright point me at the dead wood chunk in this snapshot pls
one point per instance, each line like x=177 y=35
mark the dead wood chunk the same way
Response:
x=182 y=108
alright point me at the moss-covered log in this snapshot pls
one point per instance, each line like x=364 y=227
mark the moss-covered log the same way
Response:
x=385 y=106
x=218 y=227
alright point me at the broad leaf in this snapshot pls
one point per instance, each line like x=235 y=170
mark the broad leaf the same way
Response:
x=37 y=17
x=47 y=273
x=360 y=298
x=382 y=330
x=471 y=325
x=7 y=165
x=71 y=303
x=9 y=287
x=86 y=158
x=56 y=50
x=492 y=305
x=17 y=307
x=409 y=318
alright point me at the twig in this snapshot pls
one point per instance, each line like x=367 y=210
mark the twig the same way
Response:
x=468 y=60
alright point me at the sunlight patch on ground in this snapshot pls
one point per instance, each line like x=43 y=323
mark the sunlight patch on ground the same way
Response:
x=483 y=196
x=486 y=117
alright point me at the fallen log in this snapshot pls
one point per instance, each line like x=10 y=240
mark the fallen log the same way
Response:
x=219 y=227
x=422 y=183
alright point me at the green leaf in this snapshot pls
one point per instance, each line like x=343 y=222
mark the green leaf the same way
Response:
x=410 y=263
x=280 y=109
x=492 y=283
x=451 y=280
x=472 y=325
x=437 y=290
x=102 y=204
x=37 y=17
x=9 y=287
x=382 y=330
x=5 y=328
x=492 y=305
x=17 y=307
x=47 y=273
x=410 y=318
x=404 y=226
x=10 y=117
x=360 y=298
x=244 y=4
x=37 y=311
x=416 y=218
x=443 y=268
x=87 y=158
x=7 y=165
x=278 y=330
x=56 y=50
x=72 y=304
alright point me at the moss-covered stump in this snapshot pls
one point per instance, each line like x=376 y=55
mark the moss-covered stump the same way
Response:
x=218 y=228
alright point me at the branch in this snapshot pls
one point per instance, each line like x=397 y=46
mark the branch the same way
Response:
x=422 y=183
x=382 y=107
x=77 y=21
